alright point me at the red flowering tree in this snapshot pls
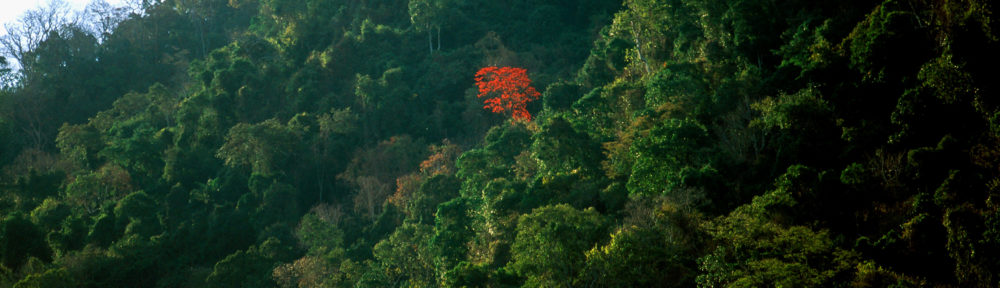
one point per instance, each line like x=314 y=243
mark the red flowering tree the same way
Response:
x=508 y=90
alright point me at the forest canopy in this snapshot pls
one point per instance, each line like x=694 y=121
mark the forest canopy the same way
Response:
x=545 y=143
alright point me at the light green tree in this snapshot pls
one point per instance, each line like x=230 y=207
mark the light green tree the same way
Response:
x=550 y=244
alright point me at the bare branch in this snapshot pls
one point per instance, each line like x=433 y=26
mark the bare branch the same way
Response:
x=33 y=27
x=102 y=17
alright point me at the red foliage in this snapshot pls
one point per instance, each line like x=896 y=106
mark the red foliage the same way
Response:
x=514 y=88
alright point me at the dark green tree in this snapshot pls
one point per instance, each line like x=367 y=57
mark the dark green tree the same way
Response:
x=21 y=240
x=550 y=244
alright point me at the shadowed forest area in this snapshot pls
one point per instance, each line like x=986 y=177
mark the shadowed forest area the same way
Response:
x=624 y=143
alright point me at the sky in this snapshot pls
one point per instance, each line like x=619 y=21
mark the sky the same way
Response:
x=10 y=10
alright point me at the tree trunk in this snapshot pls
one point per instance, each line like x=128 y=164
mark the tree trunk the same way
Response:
x=201 y=32
x=638 y=46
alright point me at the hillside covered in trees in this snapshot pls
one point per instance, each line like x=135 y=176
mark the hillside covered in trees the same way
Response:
x=634 y=143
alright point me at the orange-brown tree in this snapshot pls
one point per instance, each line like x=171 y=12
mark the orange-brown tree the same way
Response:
x=514 y=89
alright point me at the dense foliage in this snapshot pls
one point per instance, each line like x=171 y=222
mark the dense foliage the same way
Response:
x=343 y=143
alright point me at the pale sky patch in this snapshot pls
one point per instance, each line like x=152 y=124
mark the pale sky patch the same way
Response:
x=10 y=10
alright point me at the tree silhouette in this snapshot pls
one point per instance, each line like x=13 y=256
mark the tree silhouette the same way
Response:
x=514 y=88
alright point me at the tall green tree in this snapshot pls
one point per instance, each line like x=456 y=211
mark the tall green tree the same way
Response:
x=550 y=244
